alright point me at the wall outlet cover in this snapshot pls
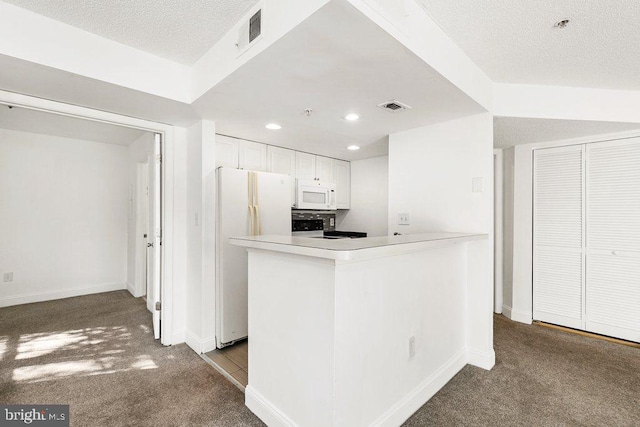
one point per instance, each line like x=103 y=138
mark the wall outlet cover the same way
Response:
x=412 y=346
x=403 y=218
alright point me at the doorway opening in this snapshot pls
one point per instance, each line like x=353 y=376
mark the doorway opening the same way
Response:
x=74 y=209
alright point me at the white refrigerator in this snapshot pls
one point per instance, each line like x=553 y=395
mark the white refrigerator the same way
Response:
x=249 y=203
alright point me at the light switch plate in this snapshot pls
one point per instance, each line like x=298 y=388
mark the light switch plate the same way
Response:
x=403 y=218
x=7 y=277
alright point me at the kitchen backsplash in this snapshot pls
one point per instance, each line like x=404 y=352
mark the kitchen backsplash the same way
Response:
x=328 y=218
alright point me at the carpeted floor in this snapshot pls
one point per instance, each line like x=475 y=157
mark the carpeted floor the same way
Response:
x=97 y=353
x=542 y=377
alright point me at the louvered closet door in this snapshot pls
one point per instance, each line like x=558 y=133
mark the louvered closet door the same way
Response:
x=558 y=256
x=613 y=239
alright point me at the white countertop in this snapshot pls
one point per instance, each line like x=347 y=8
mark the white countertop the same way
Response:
x=352 y=249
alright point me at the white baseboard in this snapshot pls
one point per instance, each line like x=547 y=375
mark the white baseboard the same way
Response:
x=517 y=315
x=59 y=294
x=264 y=410
x=208 y=344
x=178 y=337
x=409 y=404
x=481 y=359
x=199 y=345
x=131 y=289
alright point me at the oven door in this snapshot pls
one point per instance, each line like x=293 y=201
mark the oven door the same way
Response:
x=315 y=195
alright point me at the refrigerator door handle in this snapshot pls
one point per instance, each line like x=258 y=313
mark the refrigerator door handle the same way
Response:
x=250 y=198
x=256 y=204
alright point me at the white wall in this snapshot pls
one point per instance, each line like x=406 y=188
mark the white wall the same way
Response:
x=369 y=198
x=507 y=230
x=200 y=242
x=177 y=154
x=430 y=176
x=63 y=216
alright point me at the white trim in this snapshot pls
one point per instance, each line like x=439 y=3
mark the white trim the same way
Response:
x=498 y=231
x=47 y=105
x=264 y=410
x=131 y=288
x=192 y=341
x=481 y=359
x=178 y=337
x=199 y=345
x=65 y=293
x=410 y=403
x=583 y=139
x=517 y=315
x=208 y=344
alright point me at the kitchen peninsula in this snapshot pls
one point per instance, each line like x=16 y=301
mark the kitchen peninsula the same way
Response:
x=354 y=332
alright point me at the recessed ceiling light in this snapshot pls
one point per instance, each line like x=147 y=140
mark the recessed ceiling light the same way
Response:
x=352 y=117
x=353 y=147
x=273 y=126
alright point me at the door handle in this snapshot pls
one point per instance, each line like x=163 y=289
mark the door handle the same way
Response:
x=149 y=245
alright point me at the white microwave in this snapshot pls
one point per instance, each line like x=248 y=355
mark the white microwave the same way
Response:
x=315 y=195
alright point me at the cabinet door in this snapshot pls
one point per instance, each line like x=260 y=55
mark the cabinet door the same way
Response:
x=612 y=290
x=281 y=160
x=343 y=184
x=305 y=166
x=325 y=169
x=253 y=156
x=226 y=152
x=558 y=256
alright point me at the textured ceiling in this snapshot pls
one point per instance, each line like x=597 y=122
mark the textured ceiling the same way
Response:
x=515 y=41
x=510 y=131
x=181 y=31
x=25 y=120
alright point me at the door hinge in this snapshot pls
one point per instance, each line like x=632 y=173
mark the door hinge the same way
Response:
x=158 y=306
x=159 y=158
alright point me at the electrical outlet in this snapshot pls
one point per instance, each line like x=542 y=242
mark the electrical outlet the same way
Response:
x=332 y=222
x=412 y=346
x=7 y=277
x=403 y=218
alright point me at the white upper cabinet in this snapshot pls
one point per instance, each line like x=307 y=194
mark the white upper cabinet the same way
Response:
x=325 y=169
x=315 y=168
x=226 y=152
x=252 y=155
x=281 y=160
x=343 y=184
x=305 y=166
x=241 y=154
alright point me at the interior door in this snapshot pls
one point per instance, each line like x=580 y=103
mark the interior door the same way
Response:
x=157 y=235
x=613 y=238
x=558 y=246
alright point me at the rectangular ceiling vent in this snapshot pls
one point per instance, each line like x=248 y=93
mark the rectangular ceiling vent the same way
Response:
x=394 y=106
x=250 y=32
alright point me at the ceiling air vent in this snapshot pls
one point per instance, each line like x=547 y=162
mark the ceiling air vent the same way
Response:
x=250 y=31
x=394 y=106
